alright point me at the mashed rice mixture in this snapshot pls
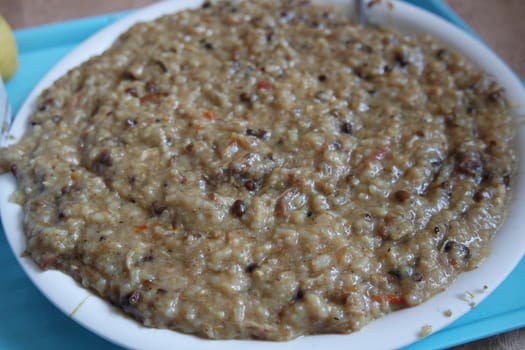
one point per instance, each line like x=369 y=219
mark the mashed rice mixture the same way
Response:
x=265 y=169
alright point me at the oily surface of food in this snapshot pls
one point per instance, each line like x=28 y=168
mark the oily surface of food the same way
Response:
x=265 y=170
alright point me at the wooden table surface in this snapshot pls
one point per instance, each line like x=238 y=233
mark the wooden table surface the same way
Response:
x=498 y=22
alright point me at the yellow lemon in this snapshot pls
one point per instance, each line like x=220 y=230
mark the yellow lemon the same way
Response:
x=8 y=51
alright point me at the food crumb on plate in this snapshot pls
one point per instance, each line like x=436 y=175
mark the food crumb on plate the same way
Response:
x=425 y=331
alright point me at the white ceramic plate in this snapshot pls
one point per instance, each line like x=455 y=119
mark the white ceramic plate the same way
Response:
x=393 y=331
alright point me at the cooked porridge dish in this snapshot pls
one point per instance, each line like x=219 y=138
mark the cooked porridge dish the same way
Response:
x=265 y=170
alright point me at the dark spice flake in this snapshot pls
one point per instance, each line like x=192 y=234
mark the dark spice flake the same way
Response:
x=457 y=250
x=417 y=277
x=47 y=103
x=239 y=208
x=441 y=54
x=401 y=196
x=244 y=97
x=247 y=97
x=104 y=158
x=252 y=267
x=250 y=185
x=147 y=258
x=506 y=180
x=480 y=195
x=132 y=91
x=401 y=59
x=151 y=87
x=495 y=96
x=259 y=133
x=346 y=128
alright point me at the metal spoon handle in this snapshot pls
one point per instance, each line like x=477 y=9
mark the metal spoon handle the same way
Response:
x=5 y=115
x=361 y=11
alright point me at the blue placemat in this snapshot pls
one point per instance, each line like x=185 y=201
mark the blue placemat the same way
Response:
x=29 y=321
